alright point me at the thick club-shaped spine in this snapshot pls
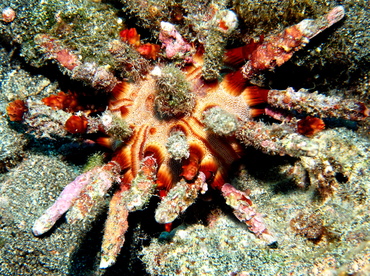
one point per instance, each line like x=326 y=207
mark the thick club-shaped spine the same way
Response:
x=179 y=198
x=83 y=188
x=127 y=199
x=278 y=49
x=244 y=211
x=318 y=104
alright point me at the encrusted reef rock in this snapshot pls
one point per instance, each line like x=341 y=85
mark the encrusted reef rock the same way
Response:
x=322 y=237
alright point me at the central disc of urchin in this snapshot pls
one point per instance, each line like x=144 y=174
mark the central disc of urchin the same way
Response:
x=174 y=97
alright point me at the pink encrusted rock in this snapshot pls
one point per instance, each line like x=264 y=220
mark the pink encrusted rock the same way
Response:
x=174 y=43
x=67 y=59
x=54 y=49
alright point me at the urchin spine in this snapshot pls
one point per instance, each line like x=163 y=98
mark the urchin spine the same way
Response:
x=220 y=121
x=177 y=145
x=174 y=97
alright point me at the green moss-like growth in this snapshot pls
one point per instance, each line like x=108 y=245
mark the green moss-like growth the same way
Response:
x=133 y=64
x=3 y=241
x=174 y=97
x=117 y=128
x=82 y=26
x=214 y=52
x=96 y=159
x=220 y=28
x=86 y=27
x=150 y=13
x=219 y=121
x=261 y=17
